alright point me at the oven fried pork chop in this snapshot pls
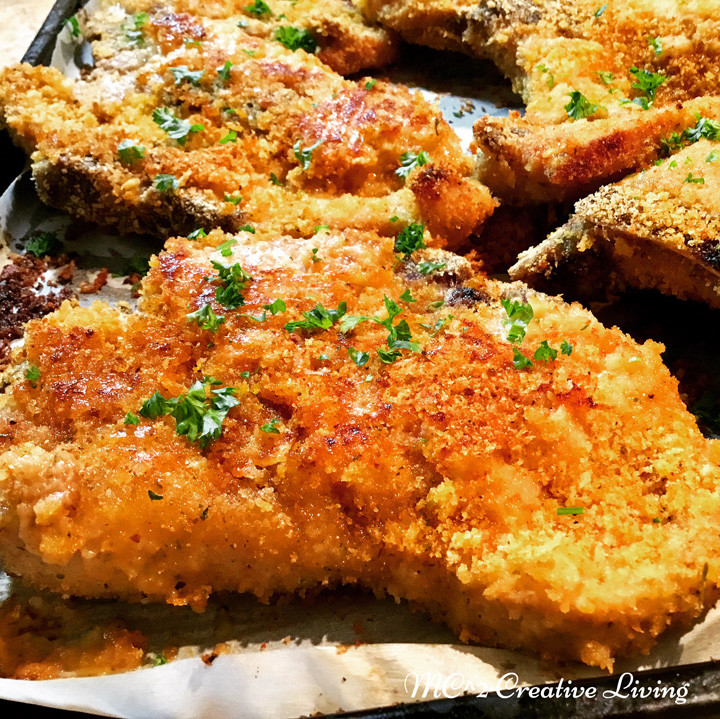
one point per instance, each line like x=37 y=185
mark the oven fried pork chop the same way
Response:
x=193 y=123
x=657 y=229
x=283 y=414
x=601 y=82
x=344 y=39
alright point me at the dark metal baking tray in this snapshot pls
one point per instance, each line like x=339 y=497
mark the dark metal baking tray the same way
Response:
x=702 y=680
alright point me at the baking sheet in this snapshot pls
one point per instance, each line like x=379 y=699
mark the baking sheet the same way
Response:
x=341 y=651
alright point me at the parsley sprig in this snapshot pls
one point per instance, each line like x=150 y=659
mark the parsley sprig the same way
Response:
x=410 y=239
x=318 y=318
x=295 y=38
x=176 y=128
x=579 y=106
x=409 y=161
x=304 y=155
x=199 y=415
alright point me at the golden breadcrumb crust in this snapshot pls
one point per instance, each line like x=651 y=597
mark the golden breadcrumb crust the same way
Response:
x=279 y=139
x=346 y=41
x=658 y=228
x=437 y=478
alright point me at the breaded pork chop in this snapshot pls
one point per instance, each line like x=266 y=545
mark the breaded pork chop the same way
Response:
x=601 y=82
x=283 y=414
x=656 y=229
x=344 y=39
x=193 y=123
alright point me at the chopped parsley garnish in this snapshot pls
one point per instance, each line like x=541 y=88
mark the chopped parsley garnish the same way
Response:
x=230 y=137
x=520 y=361
x=258 y=8
x=235 y=200
x=223 y=71
x=409 y=239
x=315 y=258
x=407 y=297
x=709 y=129
x=600 y=10
x=233 y=282
x=519 y=315
x=206 y=318
x=133 y=28
x=545 y=353
x=714 y=156
x=370 y=84
x=606 y=77
x=359 y=358
x=399 y=336
x=656 y=44
x=130 y=418
x=323 y=358
x=394 y=218
x=318 y=318
x=439 y=324
x=304 y=156
x=182 y=74
x=296 y=38
x=388 y=356
x=570 y=510
x=274 y=179
x=695 y=180
x=176 y=128
x=566 y=348
x=579 y=106
x=165 y=183
x=73 y=26
x=247 y=228
x=197 y=234
x=275 y=307
x=350 y=322
x=438 y=304
x=646 y=82
x=129 y=151
x=32 y=374
x=270 y=427
x=409 y=161
x=225 y=248
x=321 y=228
x=426 y=268
x=198 y=415
x=43 y=243
x=154 y=497
x=160 y=658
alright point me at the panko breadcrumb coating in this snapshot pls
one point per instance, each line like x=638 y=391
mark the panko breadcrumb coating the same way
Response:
x=656 y=229
x=345 y=40
x=602 y=82
x=189 y=122
x=517 y=470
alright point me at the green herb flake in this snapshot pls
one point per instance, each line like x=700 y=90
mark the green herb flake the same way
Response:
x=183 y=74
x=407 y=297
x=198 y=416
x=274 y=179
x=295 y=38
x=160 y=658
x=41 y=244
x=520 y=361
x=600 y=10
x=318 y=318
x=32 y=374
x=258 y=8
x=315 y=258
x=233 y=282
x=322 y=228
x=275 y=307
x=130 y=418
x=206 y=318
x=304 y=156
x=519 y=315
x=409 y=239
x=323 y=358
x=225 y=248
x=427 y=268
x=646 y=82
x=234 y=199
x=359 y=358
x=197 y=234
x=439 y=324
x=695 y=180
x=247 y=228
x=714 y=156
x=223 y=71
x=409 y=161
x=388 y=356
x=133 y=28
x=579 y=106
x=165 y=183
x=154 y=497
x=656 y=44
x=128 y=152
x=545 y=353
x=73 y=26
x=230 y=137
x=606 y=77
x=566 y=348
x=270 y=427
x=370 y=84
x=570 y=510
x=175 y=127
